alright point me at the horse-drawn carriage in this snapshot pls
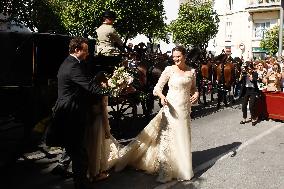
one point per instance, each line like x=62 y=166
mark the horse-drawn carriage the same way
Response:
x=29 y=65
x=28 y=86
x=145 y=69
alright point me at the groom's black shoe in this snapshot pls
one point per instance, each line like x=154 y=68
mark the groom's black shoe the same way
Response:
x=83 y=183
x=61 y=171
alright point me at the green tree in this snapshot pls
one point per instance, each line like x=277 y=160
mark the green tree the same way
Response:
x=140 y=17
x=18 y=10
x=46 y=17
x=196 y=24
x=42 y=15
x=270 y=42
x=82 y=17
x=133 y=17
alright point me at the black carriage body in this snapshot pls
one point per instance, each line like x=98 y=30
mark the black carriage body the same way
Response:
x=28 y=83
x=29 y=65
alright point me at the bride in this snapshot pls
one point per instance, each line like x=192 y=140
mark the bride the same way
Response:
x=164 y=146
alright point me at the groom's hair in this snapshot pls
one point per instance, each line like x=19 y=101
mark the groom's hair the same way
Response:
x=76 y=43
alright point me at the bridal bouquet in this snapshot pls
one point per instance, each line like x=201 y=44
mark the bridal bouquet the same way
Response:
x=120 y=80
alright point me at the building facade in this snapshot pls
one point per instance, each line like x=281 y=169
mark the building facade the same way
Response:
x=242 y=26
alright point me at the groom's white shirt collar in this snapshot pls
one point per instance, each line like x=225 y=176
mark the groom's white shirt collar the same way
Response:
x=75 y=57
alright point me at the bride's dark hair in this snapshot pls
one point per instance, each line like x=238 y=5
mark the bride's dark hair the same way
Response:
x=180 y=49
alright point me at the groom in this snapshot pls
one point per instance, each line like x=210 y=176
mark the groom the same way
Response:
x=75 y=92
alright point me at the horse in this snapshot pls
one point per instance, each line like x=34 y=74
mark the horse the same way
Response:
x=226 y=77
x=205 y=72
x=208 y=79
x=149 y=68
x=156 y=64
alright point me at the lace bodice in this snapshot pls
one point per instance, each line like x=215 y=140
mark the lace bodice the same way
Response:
x=182 y=85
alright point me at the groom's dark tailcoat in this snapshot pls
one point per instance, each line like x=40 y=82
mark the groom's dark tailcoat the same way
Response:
x=73 y=104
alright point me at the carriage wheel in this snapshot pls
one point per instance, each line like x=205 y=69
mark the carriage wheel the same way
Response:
x=125 y=109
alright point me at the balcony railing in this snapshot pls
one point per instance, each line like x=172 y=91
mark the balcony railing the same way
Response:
x=252 y=4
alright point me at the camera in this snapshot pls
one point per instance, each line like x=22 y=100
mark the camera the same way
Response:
x=244 y=69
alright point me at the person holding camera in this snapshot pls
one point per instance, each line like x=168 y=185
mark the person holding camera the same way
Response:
x=261 y=71
x=249 y=92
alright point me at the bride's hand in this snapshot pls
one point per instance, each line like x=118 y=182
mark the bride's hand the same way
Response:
x=107 y=135
x=194 y=98
x=164 y=101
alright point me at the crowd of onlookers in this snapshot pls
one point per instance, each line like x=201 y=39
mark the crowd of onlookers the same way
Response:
x=259 y=75
x=270 y=73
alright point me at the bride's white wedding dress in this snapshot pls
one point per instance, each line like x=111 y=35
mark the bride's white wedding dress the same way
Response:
x=102 y=152
x=164 y=146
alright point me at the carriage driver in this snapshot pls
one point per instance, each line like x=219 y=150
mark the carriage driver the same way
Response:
x=109 y=41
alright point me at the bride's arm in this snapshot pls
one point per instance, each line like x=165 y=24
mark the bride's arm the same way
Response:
x=105 y=120
x=158 y=89
x=193 y=91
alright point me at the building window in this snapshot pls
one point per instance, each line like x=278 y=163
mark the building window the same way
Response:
x=231 y=2
x=228 y=31
x=260 y=29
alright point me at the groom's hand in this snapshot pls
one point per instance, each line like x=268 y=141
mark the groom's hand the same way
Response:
x=107 y=135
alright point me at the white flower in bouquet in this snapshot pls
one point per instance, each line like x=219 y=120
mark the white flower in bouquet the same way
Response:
x=130 y=80
x=120 y=79
x=110 y=83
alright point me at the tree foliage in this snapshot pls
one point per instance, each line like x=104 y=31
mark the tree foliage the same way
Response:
x=18 y=10
x=82 y=17
x=270 y=42
x=140 y=17
x=196 y=24
x=42 y=15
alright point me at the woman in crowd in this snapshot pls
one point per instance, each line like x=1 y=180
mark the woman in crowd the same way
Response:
x=269 y=63
x=273 y=78
x=282 y=79
x=261 y=71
